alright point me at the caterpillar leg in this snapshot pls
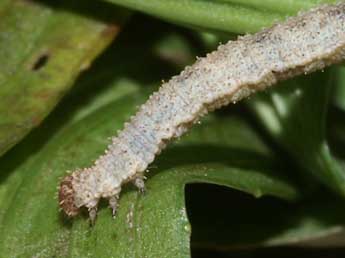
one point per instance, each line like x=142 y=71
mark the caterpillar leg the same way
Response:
x=93 y=215
x=140 y=183
x=113 y=204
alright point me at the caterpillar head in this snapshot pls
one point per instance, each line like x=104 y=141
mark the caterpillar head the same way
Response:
x=67 y=197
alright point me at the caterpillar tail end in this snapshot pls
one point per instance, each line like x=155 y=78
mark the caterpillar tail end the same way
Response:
x=66 y=197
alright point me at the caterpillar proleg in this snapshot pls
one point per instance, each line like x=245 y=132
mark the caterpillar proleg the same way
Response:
x=302 y=44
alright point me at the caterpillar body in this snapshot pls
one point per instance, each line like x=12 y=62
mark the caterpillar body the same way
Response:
x=300 y=45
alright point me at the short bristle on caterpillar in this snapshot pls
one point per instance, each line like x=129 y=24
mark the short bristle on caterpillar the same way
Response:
x=300 y=45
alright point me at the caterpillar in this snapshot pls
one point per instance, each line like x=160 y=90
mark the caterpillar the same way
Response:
x=300 y=45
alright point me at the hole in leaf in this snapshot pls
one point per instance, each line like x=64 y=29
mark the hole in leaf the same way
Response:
x=40 y=62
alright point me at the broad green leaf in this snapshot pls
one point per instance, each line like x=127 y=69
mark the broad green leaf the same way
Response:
x=295 y=115
x=234 y=16
x=44 y=45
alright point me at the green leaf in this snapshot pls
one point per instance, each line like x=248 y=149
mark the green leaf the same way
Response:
x=295 y=116
x=235 y=16
x=43 y=47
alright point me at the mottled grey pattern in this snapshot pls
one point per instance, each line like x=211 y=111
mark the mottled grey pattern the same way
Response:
x=235 y=70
